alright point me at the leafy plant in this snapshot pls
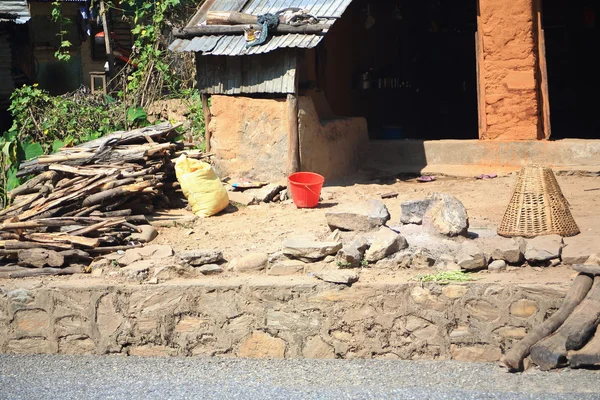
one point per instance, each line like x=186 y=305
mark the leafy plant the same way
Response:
x=62 y=53
x=136 y=116
x=445 y=277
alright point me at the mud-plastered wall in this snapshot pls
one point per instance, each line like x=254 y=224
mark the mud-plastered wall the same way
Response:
x=508 y=69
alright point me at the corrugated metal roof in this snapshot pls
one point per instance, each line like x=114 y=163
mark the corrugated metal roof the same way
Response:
x=14 y=11
x=327 y=10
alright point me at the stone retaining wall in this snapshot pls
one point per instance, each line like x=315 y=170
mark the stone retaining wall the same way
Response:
x=294 y=319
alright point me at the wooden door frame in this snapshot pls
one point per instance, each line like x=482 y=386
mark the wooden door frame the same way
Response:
x=541 y=74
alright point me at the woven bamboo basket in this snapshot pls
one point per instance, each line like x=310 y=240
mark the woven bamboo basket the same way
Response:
x=537 y=207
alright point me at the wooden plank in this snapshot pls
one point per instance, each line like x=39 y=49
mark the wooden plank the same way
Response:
x=207 y=119
x=294 y=162
x=543 y=74
x=480 y=76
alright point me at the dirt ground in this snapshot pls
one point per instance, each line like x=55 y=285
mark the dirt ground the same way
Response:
x=262 y=228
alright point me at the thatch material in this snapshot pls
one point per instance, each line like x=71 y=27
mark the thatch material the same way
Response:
x=537 y=207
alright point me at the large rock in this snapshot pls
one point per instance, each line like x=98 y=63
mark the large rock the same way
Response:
x=262 y=345
x=385 y=242
x=510 y=250
x=142 y=253
x=413 y=211
x=362 y=217
x=286 y=267
x=543 y=248
x=352 y=254
x=497 y=266
x=446 y=215
x=254 y=262
x=304 y=248
x=148 y=233
x=40 y=258
x=579 y=248
x=197 y=258
x=343 y=277
x=471 y=257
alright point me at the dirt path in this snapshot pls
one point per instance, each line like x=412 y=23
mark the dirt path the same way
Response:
x=262 y=228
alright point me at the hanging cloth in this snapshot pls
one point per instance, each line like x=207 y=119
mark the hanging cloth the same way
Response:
x=267 y=22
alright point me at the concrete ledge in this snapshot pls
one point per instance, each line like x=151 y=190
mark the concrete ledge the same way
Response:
x=275 y=317
x=415 y=155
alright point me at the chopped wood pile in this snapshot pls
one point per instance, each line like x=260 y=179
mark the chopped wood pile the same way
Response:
x=570 y=336
x=88 y=200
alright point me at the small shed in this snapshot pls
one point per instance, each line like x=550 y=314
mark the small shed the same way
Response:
x=268 y=117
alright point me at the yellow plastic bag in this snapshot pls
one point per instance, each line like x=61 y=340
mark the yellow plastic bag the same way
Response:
x=201 y=186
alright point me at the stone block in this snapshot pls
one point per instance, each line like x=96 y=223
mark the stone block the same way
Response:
x=197 y=258
x=154 y=251
x=286 y=267
x=412 y=212
x=262 y=345
x=343 y=277
x=361 y=217
x=40 y=258
x=523 y=308
x=497 y=266
x=352 y=254
x=510 y=250
x=242 y=198
x=32 y=323
x=543 y=248
x=266 y=193
x=454 y=291
x=385 y=243
x=446 y=215
x=471 y=257
x=191 y=324
x=315 y=347
x=30 y=346
x=424 y=298
x=511 y=332
x=152 y=351
x=210 y=269
x=309 y=249
x=485 y=353
x=255 y=262
x=578 y=249
x=76 y=345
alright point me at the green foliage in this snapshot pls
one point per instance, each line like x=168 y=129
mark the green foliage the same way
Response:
x=136 y=116
x=62 y=53
x=445 y=277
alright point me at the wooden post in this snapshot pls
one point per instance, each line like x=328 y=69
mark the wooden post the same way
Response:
x=293 y=128
x=109 y=54
x=207 y=118
x=293 y=134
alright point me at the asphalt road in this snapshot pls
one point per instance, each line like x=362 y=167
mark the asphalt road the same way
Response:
x=117 y=377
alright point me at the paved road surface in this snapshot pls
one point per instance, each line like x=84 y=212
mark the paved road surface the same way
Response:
x=117 y=377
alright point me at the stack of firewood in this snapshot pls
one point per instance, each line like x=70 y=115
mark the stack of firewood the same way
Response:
x=87 y=200
x=570 y=337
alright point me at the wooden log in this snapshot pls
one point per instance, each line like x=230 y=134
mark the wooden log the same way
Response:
x=118 y=213
x=207 y=119
x=20 y=205
x=136 y=135
x=75 y=254
x=112 y=249
x=82 y=171
x=587 y=269
x=36 y=180
x=19 y=245
x=204 y=30
x=229 y=18
x=28 y=272
x=116 y=192
x=40 y=258
x=589 y=356
x=62 y=238
x=293 y=135
x=513 y=359
x=50 y=222
x=62 y=157
x=551 y=352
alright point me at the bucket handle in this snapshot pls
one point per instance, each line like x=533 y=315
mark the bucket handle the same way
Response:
x=310 y=190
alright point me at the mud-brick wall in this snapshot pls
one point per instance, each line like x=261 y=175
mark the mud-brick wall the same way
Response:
x=299 y=319
x=508 y=70
x=250 y=136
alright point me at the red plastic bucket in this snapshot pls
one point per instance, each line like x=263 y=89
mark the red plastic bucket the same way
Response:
x=306 y=188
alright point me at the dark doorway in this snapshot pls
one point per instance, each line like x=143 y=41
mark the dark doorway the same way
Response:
x=573 y=63
x=409 y=67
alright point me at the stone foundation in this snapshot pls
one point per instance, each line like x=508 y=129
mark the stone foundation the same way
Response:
x=274 y=317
